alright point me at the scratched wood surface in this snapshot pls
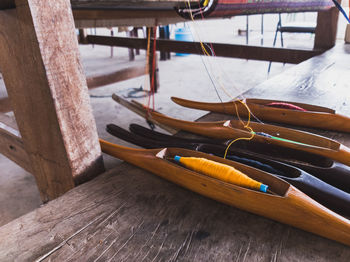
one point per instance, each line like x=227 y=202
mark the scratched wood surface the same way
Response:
x=323 y=80
x=128 y=214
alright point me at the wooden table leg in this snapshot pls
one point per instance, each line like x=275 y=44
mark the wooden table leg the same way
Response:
x=47 y=88
x=326 y=29
x=153 y=68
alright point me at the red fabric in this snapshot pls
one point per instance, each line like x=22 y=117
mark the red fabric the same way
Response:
x=286 y=106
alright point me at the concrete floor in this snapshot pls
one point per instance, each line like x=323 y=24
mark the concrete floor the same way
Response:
x=181 y=76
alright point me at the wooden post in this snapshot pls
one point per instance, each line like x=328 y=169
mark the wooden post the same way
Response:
x=154 y=74
x=82 y=36
x=47 y=88
x=347 y=34
x=326 y=29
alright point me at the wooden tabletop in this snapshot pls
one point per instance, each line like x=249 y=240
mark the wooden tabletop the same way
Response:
x=128 y=214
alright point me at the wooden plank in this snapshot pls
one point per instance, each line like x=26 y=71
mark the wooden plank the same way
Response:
x=110 y=18
x=121 y=14
x=128 y=215
x=110 y=78
x=47 y=88
x=7 y=4
x=282 y=55
x=326 y=29
x=11 y=144
x=322 y=80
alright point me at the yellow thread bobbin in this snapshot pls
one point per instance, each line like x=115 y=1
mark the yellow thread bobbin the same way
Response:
x=220 y=171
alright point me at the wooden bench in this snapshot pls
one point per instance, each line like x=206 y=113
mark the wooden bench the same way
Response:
x=128 y=214
x=57 y=140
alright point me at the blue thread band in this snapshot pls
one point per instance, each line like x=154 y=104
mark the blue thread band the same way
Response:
x=177 y=158
x=263 y=188
x=341 y=10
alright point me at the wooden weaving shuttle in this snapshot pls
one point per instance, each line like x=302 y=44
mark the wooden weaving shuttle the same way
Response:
x=140 y=110
x=329 y=196
x=288 y=205
x=315 y=116
x=326 y=169
x=234 y=129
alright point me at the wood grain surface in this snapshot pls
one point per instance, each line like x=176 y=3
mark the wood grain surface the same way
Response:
x=128 y=214
x=323 y=80
x=149 y=219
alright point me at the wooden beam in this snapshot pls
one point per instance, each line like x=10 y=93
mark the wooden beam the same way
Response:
x=115 y=77
x=283 y=55
x=7 y=4
x=11 y=144
x=109 y=14
x=93 y=82
x=47 y=88
x=110 y=18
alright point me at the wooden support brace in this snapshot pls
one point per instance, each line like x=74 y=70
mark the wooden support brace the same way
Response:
x=273 y=54
x=11 y=144
x=47 y=88
x=7 y=4
x=115 y=77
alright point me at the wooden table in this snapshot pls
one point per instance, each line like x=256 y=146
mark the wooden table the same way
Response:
x=128 y=214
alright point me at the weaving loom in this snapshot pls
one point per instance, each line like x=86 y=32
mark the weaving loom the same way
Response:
x=228 y=8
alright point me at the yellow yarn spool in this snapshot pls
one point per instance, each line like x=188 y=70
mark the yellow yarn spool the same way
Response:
x=220 y=171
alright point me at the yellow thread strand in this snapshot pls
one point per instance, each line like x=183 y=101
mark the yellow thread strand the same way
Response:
x=192 y=18
x=249 y=113
x=205 y=52
x=238 y=139
x=220 y=171
x=246 y=125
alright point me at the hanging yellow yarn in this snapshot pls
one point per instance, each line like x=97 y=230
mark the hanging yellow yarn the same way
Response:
x=220 y=171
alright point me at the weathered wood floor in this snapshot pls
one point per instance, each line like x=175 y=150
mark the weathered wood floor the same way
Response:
x=128 y=214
